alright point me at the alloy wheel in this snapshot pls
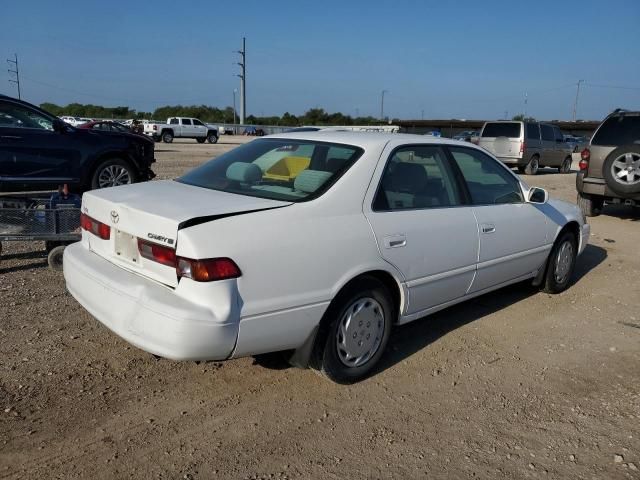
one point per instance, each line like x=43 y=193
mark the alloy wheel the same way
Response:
x=113 y=175
x=626 y=168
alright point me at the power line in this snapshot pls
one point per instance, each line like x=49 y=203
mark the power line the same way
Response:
x=612 y=86
x=16 y=72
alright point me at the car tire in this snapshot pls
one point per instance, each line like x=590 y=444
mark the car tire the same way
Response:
x=167 y=137
x=347 y=352
x=201 y=140
x=621 y=160
x=589 y=205
x=111 y=173
x=566 y=166
x=212 y=138
x=561 y=263
x=54 y=259
x=533 y=166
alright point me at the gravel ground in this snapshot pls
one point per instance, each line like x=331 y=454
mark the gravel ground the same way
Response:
x=514 y=384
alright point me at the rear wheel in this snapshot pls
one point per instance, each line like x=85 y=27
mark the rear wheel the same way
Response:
x=590 y=206
x=54 y=259
x=201 y=140
x=167 y=137
x=111 y=173
x=621 y=170
x=562 y=261
x=533 y=166
x=566 y=166
x=357 y=332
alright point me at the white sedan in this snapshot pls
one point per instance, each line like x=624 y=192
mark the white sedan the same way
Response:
x=315 y=243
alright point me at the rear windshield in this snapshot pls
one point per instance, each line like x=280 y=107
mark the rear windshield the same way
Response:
x=618 y=130
x=502 y=129
x=278 y=169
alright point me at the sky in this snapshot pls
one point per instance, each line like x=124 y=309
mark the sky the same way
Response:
x=435 y=59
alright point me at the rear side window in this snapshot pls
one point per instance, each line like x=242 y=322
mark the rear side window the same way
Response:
x=186 y=121
x=489 y=182
x=618 y=130
x=502 y=129
x=558 y=134
x=174 y=121
x=417 y=177
x=547 y=133
x=533 y=131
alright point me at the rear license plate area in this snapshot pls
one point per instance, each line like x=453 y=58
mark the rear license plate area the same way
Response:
x=126 y=248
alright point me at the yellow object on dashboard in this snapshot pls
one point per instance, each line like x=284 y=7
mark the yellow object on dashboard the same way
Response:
x=287 y=168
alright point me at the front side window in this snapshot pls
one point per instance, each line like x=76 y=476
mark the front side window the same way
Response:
x=558 y=134
x=198 y=122
x=618 y=130
x=417 y=176
x=278 y=169
x=18 y=116
x=489 y=183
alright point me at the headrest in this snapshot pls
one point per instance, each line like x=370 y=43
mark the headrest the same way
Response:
x=244 y=172
x=309 y=181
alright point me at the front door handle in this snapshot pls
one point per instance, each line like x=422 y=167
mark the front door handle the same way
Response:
x=488 y=228
x=395 y=241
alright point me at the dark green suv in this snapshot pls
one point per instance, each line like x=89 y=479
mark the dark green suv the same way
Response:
x=610 y=165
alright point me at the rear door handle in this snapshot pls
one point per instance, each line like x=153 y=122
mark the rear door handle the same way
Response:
x=395 y=241
x=488 y=228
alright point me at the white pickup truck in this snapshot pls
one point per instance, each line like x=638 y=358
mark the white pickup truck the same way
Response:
x=181 y=127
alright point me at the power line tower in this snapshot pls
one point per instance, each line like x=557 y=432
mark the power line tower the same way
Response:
x=575 y=104
x=243 y=79
x=16 y=72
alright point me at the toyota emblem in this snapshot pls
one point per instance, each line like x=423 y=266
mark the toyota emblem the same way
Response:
x=114 y=216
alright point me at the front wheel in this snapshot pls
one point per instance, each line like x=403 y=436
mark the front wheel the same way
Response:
x=562 y=261
x=357 y=333
x=111 y=173
x=566 y=166
x=212 y=138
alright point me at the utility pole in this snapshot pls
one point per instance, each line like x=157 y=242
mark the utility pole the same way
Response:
x=422 y=114
x=526 y=98
x=575 y=104
x=382 y=105
x=16 y=72
x=235 y=90
x=243 y=79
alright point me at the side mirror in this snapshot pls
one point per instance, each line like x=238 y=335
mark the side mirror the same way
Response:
x=59 y=126
x=537 y=195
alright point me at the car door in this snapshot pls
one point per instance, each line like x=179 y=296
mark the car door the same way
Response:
x=513 y=233
x=423 y=224
x=199 y=128
x=549 y=154
x=34 y=155
x=187 y=128
x=561 y=147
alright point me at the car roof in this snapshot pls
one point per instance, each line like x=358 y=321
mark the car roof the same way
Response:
x=367 y=140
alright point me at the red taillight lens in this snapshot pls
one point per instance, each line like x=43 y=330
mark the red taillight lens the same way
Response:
x=207 y=270
x=157 y=253
x=522 y=147
x=92 y=225
x=155 y=127
x=585 y=156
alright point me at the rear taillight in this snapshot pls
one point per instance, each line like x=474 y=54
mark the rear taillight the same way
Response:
x=522 y=147
x=585 y=156
x=155 y=127
x=157 y=253
x=92 y=225
x=207 y=270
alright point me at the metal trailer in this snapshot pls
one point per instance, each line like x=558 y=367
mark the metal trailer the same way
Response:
x=37 y=217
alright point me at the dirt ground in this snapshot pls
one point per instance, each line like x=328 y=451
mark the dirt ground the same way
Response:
x=514 y=384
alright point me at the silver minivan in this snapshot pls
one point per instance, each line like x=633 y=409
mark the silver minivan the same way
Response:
x=526 y=145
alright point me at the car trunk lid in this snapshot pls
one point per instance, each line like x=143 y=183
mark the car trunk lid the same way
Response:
x=154 y=212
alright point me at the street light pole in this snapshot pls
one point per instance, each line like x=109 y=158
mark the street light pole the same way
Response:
x=16 y=72
x=575 y=104
x=382 y=105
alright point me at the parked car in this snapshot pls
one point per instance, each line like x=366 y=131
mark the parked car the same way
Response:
x=610 y=165
x=181 y=127
x=576 y=144
x=38 y=151
x=526 y=145
x=253 y=131
x=73 y=121
x=106 y=126
x=466 y=136
x=320 y=253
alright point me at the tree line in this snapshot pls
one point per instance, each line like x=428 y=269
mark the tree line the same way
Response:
x=313 y=116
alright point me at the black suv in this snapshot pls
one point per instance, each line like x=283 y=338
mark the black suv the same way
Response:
x=38 y=151
x=610 y=165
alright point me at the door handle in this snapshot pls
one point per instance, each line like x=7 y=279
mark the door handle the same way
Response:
x=395 y=241
x=488 y=228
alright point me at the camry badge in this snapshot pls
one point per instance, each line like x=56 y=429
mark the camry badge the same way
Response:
x=114 y=216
